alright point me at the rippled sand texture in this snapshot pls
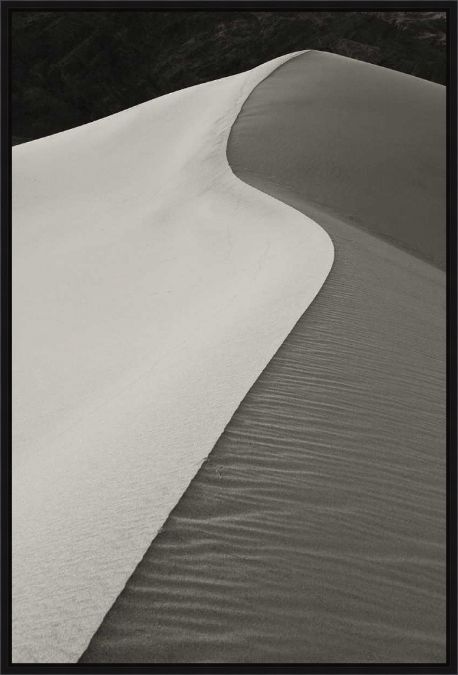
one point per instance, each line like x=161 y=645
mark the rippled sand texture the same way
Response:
x=315 y=531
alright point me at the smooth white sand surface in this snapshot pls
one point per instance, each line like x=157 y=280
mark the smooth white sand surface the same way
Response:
x=150 y=289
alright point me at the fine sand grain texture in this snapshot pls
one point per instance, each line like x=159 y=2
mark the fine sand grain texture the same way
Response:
x=315 y=531
x=151 y=287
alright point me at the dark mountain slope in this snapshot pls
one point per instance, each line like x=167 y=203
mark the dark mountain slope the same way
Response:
x=72 y=67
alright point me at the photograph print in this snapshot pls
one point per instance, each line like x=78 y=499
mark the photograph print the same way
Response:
x=229 y=324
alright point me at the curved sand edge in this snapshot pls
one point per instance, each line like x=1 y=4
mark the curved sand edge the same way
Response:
x=359 y=141
x=315 y=531
x=149 y=293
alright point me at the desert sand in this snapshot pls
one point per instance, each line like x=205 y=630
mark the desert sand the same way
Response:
x=315 y=531
x=150 y=289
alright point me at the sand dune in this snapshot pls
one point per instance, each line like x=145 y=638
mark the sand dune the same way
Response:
x=315 y=532
x=151 y=287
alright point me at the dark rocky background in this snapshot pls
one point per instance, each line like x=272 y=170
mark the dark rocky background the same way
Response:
x=72 y=67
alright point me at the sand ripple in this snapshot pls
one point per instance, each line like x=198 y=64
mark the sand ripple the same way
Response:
x=315 y=530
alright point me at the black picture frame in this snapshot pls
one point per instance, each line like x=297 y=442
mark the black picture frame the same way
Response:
x=450 y=7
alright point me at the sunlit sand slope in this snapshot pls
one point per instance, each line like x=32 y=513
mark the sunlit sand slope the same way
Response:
x=151 y=287
x=315 y=532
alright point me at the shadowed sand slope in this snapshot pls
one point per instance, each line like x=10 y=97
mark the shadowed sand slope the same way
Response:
x=315 y=531
x=366 y=142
